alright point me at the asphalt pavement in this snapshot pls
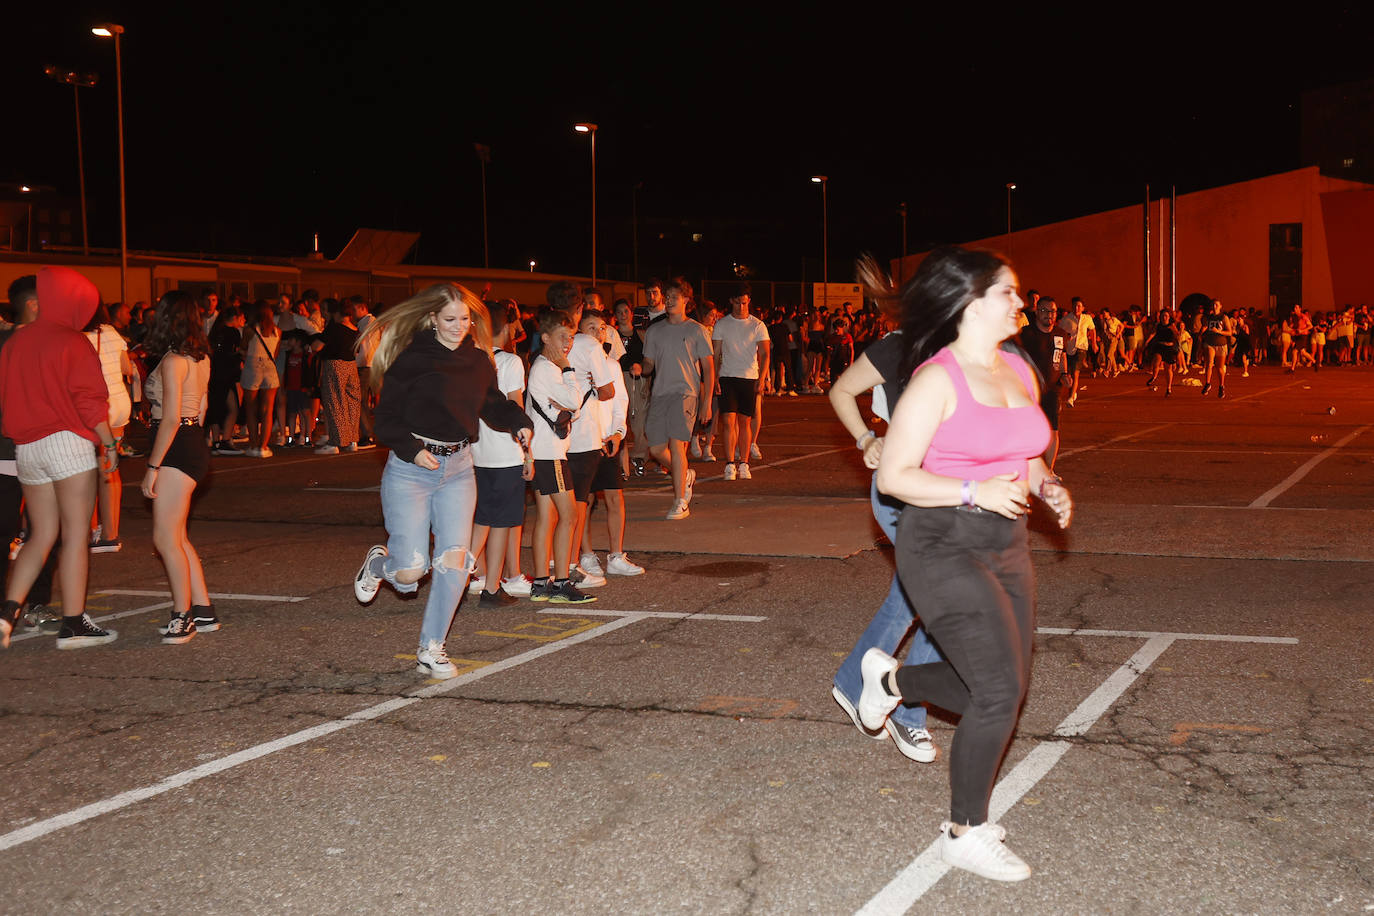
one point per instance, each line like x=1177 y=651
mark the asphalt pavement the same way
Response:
x=1195 y=740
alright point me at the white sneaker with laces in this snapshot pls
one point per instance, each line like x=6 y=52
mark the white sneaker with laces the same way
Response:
x=743 y=470
x=591 y=564
x=914 y=743
x=618 y=564
x=848 y=707
x=327 y=450
x=432 y=659
x=708 y=455
x=366 y=582
x=590 y=579
x=754 y=453
x=875 y=703
x=729 y=472
x=518 y=585
x=982 y=850
x=696 y=447
x=679 y=511
x=476 y=584
x=688 y=484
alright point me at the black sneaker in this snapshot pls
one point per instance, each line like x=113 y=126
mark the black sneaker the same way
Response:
x=79 y=633
x=1221 y=392
x=541 y=589
x=1206 y=388
x=204 y=617
x=498 y=598
x=181 y=628
x=565 y=592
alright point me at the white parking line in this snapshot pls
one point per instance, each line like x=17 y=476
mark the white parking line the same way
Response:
x=902 y=892
x=162 y=605
x=1267 y=498
x=58 y=822
x=1088 y=448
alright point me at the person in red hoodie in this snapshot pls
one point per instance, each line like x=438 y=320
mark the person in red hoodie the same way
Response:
x=55 y=408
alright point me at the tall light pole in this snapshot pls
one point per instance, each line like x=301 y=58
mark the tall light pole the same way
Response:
x=111 y=30
x=77 y=81
x=586 y=127
x=825 y=239
x=484 y=156
x=1011 y=186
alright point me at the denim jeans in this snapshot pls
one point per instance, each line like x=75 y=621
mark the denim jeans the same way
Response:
x=890 y=626
x=416 y=502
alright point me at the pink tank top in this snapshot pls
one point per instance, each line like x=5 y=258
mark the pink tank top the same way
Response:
x=978 y=441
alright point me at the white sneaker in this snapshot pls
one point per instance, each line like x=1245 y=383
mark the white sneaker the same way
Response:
x=743 y=471
x=476 y=584
x=914 y=743
x=754 y=453
x=327 y=450
x=691 y=479
x=252 y=453
x=590 y=579
x=708 y=455
x=433 y=661
x=729 y=472
x=875 y=703
x=696 y=447
x=679 y=511
x=617 y=564
x=853 y=713
x=982 y=850
x=591 y=564
x=518 y=585
x=366 y=582
x=264 y=452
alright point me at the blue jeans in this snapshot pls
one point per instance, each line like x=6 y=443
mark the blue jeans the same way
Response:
x=890 y=626
x=416 y=502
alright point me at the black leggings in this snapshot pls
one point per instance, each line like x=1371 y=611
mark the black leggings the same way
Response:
x=970 y=581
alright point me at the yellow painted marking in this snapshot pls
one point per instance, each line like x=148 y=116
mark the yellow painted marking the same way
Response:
x=1367 y=680
x=1163 y=668
x=1160 y=809
x=656 y=776
x=134 y=738
x=1183 y=730
x=1278 y=820
x=745 y=651
x=318 y=750
x=775 y=783
x=303 y=629
x=464 y=665
x=757 y=707
x=655 y=645
x=885 y=791
x=405 y=658
x=545 y=630
x=1075 y=664
x=541 y=765
x=437 y=758
x=839 y=654
x=1263 y=674
x=1031 y=801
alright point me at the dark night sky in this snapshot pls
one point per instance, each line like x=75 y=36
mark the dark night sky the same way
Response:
x=251 y=127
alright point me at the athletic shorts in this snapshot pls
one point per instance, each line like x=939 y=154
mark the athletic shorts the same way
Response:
x=582 y=467
x=551 y=476
x=671 y=416
x=55 y=457
x=500 y=497
x=737 y=395
x=189 y=453
x=1072 y=362
x=608 y=475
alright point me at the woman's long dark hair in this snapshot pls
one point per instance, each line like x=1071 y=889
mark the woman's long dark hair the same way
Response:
x=100 y=316
x=933 y=302
x=178 y=326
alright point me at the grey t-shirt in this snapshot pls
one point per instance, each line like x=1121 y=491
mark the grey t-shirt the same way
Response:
x=675 y=349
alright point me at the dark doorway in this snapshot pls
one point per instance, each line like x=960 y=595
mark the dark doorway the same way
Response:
x=1285 y=267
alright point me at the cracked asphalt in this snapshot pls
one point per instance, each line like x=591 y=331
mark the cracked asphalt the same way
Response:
x=585 y=763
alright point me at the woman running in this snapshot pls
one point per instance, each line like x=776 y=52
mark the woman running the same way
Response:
x=177 y=391
x=56 y=409
x=1162 y=350
x=963 y=452
x=1218 y=332
x=435 y=385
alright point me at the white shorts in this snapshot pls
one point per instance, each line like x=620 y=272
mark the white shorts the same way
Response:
x=59 y=456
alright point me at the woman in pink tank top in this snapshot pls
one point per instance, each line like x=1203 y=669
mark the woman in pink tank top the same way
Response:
x=963 y=452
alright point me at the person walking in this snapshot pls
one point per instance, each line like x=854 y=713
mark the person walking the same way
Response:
x=436 y=383
x=113 y=351
x=261 y=341
x=336 y=354
x=55 y=406
x=963 y=452
x=178 y=392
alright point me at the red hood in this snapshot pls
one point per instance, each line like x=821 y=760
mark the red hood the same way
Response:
x=65 y=297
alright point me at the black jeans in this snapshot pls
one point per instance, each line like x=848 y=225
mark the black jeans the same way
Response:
x=970 y=580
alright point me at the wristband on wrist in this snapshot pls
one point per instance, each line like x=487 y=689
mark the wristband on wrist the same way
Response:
x=154 y=467
x=969 y=493
x=862 y=442
x=1051 y=479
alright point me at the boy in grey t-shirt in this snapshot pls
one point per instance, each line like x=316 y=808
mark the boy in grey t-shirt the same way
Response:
x=678 y=352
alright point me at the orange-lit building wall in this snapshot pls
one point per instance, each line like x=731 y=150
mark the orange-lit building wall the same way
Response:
x=1222 y=246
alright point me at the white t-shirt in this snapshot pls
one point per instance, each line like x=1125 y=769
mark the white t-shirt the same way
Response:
x=739 y=345
x=614 y=413
x=495 y=449
x=1085 y=324
x=548 y=384
x=589 y=359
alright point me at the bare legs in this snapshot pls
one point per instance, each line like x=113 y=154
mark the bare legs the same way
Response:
x=171 y=508
x=61 y=507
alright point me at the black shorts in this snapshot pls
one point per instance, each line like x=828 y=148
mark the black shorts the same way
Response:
x=1072 y=361
x=189 y=453
x=582 y=467
x=737 y=395
x=551 y=476
x=500 y=497
x=1049 y=404
x=608 y=474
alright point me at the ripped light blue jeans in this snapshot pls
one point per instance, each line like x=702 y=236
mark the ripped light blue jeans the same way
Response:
x=890 y=626
x=415 y=503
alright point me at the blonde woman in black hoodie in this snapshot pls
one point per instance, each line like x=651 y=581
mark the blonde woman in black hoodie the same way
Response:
x=436 y=382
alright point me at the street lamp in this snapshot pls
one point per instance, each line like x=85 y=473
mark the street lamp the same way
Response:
x=531 y=265
x=77 y=81
x=825 y=239
x=586 y=127
x=111 y=30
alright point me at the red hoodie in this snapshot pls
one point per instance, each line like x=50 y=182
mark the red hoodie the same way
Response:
x=50 y=376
